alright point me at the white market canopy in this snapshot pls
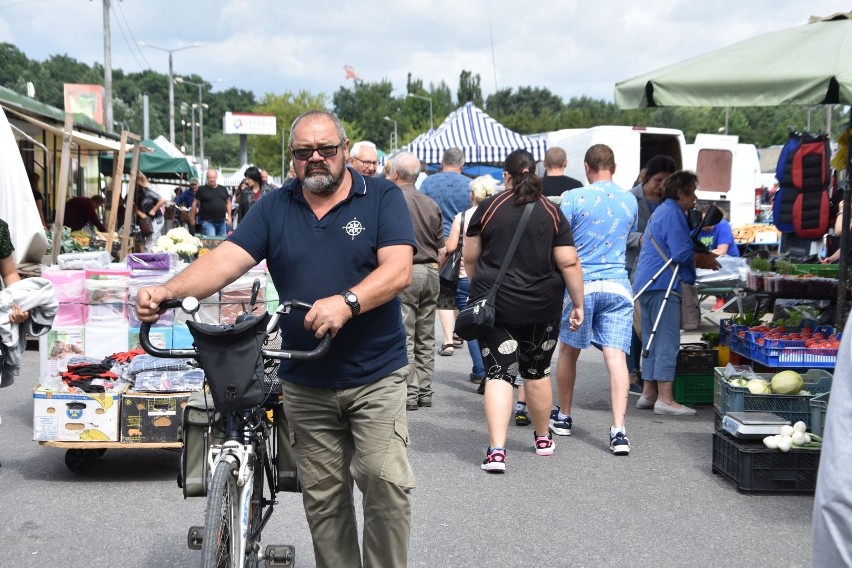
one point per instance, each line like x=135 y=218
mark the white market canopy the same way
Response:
x=480 y=137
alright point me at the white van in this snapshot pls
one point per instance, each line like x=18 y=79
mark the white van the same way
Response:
x=633 y=146
x=728 y=175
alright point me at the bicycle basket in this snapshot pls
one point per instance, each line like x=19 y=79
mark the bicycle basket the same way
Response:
x=232 y=359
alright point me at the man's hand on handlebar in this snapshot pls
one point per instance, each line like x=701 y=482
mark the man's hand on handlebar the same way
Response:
x=327 y=316
x=148 y=302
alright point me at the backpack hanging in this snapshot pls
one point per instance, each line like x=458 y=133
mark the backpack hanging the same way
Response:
x=801 y=204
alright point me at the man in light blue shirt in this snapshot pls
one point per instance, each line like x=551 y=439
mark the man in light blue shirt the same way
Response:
x=601 y=216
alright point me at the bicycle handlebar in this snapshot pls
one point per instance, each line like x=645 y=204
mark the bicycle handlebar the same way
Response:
x=190 y=305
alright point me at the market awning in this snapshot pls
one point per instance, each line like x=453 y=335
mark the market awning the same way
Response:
x=81 y=139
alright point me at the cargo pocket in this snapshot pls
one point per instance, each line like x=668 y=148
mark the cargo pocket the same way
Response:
x=396 y=468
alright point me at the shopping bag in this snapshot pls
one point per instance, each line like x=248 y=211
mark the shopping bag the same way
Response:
x=449 y=273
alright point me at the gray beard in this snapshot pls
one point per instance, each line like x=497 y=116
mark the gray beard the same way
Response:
x=322 y=183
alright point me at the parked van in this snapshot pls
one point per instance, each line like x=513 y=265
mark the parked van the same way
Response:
x=728 y=175
x=633 y=146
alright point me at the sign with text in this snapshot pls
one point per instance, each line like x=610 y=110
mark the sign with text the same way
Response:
x=250 y=123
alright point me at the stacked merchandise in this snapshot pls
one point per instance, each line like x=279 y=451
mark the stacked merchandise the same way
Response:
x=767 y=428
x=129 y=396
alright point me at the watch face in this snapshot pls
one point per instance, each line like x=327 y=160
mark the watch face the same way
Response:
x=350 y=297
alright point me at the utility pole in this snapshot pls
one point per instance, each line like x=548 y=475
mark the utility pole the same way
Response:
x=107 y=71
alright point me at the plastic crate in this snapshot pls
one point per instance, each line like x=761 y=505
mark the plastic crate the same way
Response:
x=793 y=407
x=692 y=389
x=825 y=270
x=755 y=468
x=819 y=406
x=696 y=358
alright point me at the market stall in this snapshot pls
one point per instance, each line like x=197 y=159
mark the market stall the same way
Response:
x=803 y=65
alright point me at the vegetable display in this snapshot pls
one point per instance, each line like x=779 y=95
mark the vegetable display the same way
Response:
x=793 y=437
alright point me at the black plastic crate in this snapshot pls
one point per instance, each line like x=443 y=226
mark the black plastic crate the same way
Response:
x=696 y=358
x=755 y=468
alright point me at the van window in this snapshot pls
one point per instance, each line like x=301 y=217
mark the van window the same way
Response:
x=713 y=168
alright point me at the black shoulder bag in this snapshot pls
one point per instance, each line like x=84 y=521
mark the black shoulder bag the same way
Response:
x=478 y=317
x=449 y=274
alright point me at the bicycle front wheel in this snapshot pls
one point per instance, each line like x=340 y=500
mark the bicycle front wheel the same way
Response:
x=220 y=546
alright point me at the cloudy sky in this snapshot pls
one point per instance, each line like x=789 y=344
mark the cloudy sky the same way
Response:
x=573 y=48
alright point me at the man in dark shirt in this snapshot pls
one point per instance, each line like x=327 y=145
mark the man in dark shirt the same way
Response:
x=80 y=211
x=555 y=182
x=420 y=299
x=214 y=204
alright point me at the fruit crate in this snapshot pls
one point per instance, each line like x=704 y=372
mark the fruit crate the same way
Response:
x=691 y=389
x=755 y=468
x=793 y=407
x=819 y=406
x=696 y=358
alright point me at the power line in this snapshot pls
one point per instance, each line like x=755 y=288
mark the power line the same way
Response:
x=130 y=44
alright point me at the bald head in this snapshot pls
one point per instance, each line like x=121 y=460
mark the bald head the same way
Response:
x=555 y=161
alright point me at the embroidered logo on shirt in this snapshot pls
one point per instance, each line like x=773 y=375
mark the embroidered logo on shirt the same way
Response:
x=353 y=228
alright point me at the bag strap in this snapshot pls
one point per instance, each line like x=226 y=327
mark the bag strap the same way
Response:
x=513 y=246
x=461 y=229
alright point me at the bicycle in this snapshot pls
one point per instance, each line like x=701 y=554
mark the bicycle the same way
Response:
x=242 y=473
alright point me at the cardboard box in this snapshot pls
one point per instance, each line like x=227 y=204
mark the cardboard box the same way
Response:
x=75 y=417
x=151 y=417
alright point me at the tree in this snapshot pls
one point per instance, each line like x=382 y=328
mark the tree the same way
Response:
x=469 y=89
x=265 y=151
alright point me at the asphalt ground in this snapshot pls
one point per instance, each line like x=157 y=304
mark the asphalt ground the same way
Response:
x=661 y=506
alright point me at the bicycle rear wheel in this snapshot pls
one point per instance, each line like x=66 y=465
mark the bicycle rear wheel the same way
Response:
x=221 y=520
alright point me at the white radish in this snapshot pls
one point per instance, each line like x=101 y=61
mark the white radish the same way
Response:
x=800 y=426
x=785 y=443
x=799 y=438
x=807 y=438
x=771 y=442
x=786 y=430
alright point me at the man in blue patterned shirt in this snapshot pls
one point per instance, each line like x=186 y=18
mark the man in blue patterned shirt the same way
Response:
x=601 y=216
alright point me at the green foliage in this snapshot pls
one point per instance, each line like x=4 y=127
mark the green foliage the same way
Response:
x=362 y=107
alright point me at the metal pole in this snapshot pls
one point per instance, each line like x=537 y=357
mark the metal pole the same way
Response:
x=107 y=70
x=647 y=350
x=192 y=115
x=431 y=122
x=843 y=269
x=171 y=101
x=200 y=125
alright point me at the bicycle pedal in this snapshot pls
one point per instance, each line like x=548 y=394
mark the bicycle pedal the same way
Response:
x=195 y=537
x=280 y=555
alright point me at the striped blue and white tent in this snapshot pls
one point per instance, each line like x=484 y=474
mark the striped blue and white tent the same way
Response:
x=480 y=137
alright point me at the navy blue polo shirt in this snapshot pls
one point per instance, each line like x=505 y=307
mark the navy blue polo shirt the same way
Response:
x=309 y=259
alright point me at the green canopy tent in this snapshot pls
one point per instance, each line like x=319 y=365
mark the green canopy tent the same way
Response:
x=803 y=65
x=154 y=162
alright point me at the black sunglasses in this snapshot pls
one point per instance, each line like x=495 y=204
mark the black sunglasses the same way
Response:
x=324 y=151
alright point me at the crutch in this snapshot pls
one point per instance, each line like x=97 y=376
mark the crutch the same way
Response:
x=647 y=350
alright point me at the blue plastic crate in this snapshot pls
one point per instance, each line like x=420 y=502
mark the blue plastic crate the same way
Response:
x=793 y=407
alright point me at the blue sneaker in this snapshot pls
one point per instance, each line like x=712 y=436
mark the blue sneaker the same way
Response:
x=619 y=444
x=557 y=426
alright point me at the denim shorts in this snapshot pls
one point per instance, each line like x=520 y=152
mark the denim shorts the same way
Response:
x=607 y=322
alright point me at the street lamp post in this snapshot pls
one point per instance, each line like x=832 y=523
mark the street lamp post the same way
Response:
x=431 y=123
x=171 y=82
x=395 y=139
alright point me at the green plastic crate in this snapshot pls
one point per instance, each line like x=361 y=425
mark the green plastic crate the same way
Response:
x=824 y=270
x=692 y=389
x=793 y=407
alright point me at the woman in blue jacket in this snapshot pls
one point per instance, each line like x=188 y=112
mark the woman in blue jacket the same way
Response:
x=667 y=235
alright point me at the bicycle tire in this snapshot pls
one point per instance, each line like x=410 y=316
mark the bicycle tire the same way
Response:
x=221 y=519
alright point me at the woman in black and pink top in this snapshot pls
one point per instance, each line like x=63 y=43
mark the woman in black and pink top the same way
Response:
x=529 y=301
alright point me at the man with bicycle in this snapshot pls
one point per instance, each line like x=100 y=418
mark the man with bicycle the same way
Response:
x=344 y=242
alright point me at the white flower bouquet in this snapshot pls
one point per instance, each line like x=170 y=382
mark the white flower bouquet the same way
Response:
x=179 y=241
